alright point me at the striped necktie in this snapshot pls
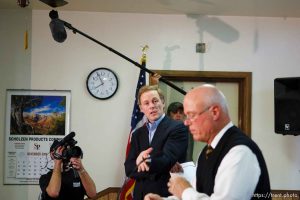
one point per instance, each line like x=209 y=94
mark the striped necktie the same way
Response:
x=208 y=151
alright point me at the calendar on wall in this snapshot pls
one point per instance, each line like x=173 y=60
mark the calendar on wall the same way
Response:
x=32 y=166
x=34 y=119
x=25 y=165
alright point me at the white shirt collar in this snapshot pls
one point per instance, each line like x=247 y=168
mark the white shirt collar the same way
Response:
x=220 y=134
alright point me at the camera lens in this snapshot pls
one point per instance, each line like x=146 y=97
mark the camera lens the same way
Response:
x=74 y=152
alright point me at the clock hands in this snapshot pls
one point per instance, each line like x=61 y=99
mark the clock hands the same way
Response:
x=100 y=79
x=95 y=87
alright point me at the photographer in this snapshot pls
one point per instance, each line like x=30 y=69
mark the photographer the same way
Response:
x=68 y=179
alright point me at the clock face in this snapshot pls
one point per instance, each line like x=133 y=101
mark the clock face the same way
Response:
x=102 y=83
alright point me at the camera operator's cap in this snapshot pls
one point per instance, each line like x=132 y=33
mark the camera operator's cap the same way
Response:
x=174 y=107
x=53 y=145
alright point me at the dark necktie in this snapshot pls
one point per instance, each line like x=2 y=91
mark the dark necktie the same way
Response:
x=208 y=151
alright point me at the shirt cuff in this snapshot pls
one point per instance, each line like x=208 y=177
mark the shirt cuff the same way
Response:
x=170 y=198
x=190 y=193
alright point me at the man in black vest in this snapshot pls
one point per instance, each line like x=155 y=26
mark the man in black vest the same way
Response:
x=231 y=166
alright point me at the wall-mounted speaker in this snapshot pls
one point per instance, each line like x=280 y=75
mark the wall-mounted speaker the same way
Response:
x=287 y=105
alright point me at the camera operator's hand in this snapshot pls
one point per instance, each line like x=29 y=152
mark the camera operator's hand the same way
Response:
x=57 y=154
x=77 y=164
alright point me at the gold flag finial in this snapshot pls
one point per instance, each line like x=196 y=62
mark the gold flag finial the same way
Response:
x=144 y=49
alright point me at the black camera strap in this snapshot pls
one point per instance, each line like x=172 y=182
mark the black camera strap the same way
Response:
x=57 y=156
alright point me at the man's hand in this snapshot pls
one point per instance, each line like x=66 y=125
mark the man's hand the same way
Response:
x=140 y=161
x=177 y=185
x=177 y=168
x=76 y=163
x=151 y=196
x=57 y=155
x=155 y=78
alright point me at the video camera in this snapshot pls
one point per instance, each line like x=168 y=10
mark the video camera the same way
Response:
x=70 y=150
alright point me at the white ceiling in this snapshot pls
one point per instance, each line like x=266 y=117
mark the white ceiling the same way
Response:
x=267 y=8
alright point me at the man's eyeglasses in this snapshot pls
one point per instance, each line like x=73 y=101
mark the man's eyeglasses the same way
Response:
x=193 y=116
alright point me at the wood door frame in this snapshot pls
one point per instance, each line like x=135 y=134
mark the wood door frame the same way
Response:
x=243 y=79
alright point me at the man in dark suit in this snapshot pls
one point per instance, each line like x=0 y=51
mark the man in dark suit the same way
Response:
x=231 y=166
x=156 y=146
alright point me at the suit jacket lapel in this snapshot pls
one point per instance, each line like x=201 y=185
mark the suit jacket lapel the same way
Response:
x=144 y=136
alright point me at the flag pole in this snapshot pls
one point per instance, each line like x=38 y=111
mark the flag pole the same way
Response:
x=137 y=120
x=74 y=30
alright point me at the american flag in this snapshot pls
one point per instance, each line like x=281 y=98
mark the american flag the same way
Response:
x=137 y=120
x=137 y=117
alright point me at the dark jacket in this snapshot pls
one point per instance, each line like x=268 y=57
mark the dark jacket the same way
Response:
x=169 y=146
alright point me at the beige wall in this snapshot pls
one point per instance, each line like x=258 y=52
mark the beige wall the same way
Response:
x=15 y=72
x=268 y=47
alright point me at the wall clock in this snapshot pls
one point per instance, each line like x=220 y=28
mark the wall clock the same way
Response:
x=102 y=83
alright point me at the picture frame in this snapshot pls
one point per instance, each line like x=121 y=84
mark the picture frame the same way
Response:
x=33 y=120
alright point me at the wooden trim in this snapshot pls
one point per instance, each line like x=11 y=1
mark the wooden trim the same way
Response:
x=243 y=79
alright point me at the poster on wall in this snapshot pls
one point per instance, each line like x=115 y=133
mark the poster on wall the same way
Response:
x=33 y=120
